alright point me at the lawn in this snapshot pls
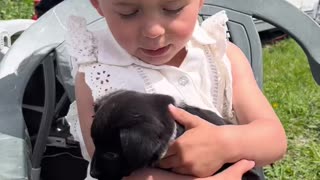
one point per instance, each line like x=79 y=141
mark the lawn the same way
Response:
x=16 y=9
x=288 y=85
x=290 y=88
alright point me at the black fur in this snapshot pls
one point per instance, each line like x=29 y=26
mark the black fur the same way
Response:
x=131 y=130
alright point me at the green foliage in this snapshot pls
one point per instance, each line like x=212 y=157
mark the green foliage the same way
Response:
x=16 y=9
x=290 y=88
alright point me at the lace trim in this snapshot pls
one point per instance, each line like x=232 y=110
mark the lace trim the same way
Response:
x=148 y=85
x=227 y=106
x=220 y=86
x=213 y=77
x=216 y=27
x=81 y=43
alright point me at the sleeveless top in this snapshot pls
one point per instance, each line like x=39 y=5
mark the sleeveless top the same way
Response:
x=202 y=80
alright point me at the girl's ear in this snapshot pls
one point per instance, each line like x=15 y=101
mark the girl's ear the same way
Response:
x=96 y=5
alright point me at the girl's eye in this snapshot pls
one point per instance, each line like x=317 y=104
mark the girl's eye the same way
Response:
x=129 y=15
x=173 y=11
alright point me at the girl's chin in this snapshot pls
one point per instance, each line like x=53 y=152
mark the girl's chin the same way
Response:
x=159 y=59
x=155 y=61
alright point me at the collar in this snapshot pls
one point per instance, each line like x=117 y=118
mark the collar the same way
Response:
x=110 y=52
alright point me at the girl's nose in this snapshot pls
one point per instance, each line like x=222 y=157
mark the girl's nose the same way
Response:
x=153 y=30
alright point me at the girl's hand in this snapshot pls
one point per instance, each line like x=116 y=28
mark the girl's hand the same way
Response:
x=234 y=172
x=201 y=150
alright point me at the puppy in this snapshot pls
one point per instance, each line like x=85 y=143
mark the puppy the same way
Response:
x=132 y=130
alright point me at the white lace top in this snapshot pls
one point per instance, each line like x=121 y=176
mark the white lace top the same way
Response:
x=202 y=80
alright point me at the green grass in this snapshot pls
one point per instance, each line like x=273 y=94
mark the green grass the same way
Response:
x=16 y=9
x=290 y=88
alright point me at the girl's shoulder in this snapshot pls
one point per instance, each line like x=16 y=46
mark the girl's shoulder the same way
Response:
x=212 y=34
x=88 y=46
x=81 y=43
x=215 y=25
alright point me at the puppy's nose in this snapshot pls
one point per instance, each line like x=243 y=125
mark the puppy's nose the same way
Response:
x=94 y=171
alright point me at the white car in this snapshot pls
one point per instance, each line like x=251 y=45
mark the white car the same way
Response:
x=9 y=31
x=309 y=7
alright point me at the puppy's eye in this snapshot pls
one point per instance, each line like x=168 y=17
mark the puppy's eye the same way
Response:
x=136 y=115
x=110 y=155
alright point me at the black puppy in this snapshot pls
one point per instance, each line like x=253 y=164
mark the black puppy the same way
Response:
x=132 y=130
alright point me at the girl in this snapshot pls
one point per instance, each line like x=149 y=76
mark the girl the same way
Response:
x=157 y=46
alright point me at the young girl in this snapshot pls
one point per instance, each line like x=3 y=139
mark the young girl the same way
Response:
x=157 y=46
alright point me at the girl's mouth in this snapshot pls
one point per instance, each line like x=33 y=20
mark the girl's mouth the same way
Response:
x=156 y=52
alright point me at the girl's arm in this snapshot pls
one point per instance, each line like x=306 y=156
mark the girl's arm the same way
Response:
x=261 y=137
x=204 y=147
x=85 y=106
x=157 y=174
x=234 y=172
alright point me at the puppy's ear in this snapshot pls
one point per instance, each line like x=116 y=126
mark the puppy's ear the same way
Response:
x=142 y=146
x=210 y=116
x=161 y=100
x=95 y=167
x=106 y=165
x=96 y=105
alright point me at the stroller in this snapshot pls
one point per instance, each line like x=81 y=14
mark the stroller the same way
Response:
x=36 y=85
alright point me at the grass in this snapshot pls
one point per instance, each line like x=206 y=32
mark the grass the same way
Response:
x=288 y=85
x=16 y=9
x=290 y=88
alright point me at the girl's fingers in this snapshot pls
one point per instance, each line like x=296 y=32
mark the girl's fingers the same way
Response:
x=237 y=169
x=181 y=170
x=183 y=117
x=170 y=162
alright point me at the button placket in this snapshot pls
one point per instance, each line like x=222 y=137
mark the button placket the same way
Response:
x=183 y=80
x=186 y=88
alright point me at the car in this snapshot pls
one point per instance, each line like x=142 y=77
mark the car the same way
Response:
x=10 y=30
x=309 y=7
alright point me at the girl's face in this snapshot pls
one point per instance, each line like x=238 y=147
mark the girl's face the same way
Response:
x=155 y=31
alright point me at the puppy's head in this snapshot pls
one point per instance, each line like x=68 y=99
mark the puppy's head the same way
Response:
x=130 y=130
